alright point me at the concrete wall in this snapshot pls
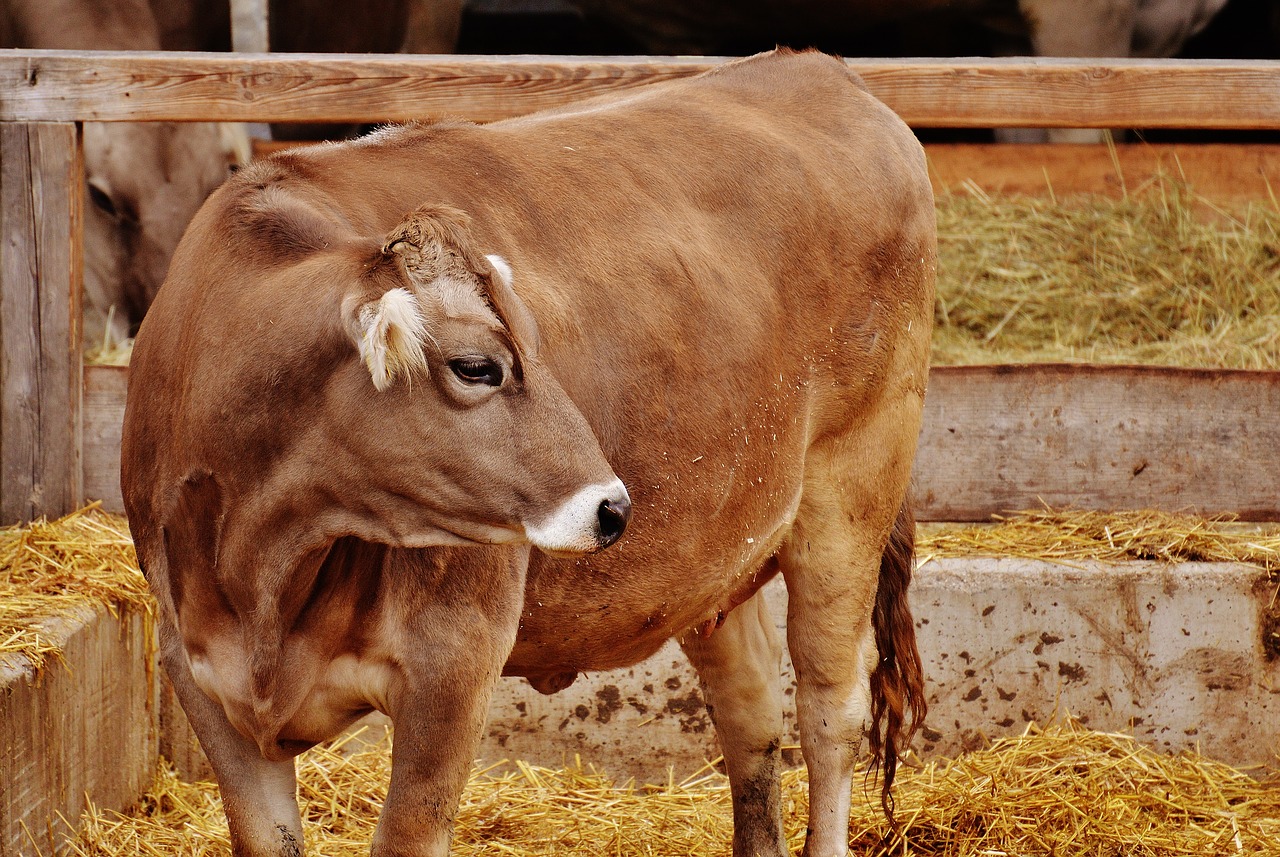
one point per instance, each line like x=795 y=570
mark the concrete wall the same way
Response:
x=1174 y=652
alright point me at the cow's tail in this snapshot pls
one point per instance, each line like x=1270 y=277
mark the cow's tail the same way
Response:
x=898 y=703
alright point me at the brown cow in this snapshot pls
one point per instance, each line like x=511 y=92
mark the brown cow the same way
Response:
x=346 y=427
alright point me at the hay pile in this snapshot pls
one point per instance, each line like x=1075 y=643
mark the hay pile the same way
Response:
x=117 y=354
x=50 y=569
x=1074 y=535
x=1144 y=279
x=1057 y=791
x=1069 y=790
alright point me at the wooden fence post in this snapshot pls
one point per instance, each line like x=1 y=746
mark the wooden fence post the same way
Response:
x=41 y=367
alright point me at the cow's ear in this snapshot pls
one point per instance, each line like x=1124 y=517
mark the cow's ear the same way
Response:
x=518 y=318
x=391 y=333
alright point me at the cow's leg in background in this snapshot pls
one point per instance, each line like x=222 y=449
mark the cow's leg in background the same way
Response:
x=853 y=492
x=739 y=666
x=456 y=632
x=258 y=796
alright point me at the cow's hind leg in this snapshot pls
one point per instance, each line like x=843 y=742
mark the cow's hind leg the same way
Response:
x=832 y=563
x=739 y=666
x=259 y=797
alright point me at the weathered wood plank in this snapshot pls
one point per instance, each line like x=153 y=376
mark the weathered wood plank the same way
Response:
x=84 y=729
x=1217 y=172
x=999 y=438
x=1038 y=92
x=104 y=396
x=41 y=185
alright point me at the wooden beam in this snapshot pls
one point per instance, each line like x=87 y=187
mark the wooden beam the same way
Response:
x=81 y=730
x=41 y=190
x=1002 y=438
x=1039 y=92
x=1215 y=172
x=103 y=419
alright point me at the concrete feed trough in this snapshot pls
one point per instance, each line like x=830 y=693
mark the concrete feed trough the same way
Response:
x=1176 y=653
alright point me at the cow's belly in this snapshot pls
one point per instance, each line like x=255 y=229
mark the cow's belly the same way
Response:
x=349 y=688
x=619 y=607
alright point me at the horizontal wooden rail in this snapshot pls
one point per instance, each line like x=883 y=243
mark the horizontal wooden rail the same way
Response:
x=1000 y=438
x=1018 y=92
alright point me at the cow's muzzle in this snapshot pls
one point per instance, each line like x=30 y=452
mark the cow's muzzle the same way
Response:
x=591 y=520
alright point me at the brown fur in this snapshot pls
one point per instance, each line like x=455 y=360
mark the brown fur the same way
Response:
x=729 y=283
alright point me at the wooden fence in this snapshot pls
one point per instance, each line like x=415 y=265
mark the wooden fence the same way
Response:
x=45 y=95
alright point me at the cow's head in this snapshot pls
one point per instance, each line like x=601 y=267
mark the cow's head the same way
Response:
x=387 y=388
x=145 y=181
x=437 y=324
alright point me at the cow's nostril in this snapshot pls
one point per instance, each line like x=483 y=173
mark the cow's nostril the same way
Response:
x=613 y=515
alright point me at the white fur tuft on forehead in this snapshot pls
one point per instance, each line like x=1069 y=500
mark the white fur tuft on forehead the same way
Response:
x=392 y=336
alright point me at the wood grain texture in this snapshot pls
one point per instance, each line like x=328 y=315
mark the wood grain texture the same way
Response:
x=1216 y=172
x=1001 y=438
x=1036 y=92
x=41 y=188
x=82 y=729
x=104 y=397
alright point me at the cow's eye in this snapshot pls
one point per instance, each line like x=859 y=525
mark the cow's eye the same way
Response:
x=102 y=200
x=477 y=370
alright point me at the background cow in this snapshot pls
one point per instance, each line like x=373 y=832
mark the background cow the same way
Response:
x=145 y=180
x=1067 y=28
x=346 y=426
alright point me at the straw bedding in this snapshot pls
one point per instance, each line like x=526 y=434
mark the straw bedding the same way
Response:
x=1053 y=791
x=1061 y=790
x=1076 y=535
x=49 y=569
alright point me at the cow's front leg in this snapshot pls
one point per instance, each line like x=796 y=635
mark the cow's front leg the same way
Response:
x=454 y=641
x=259 y=797
x=739 y=666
